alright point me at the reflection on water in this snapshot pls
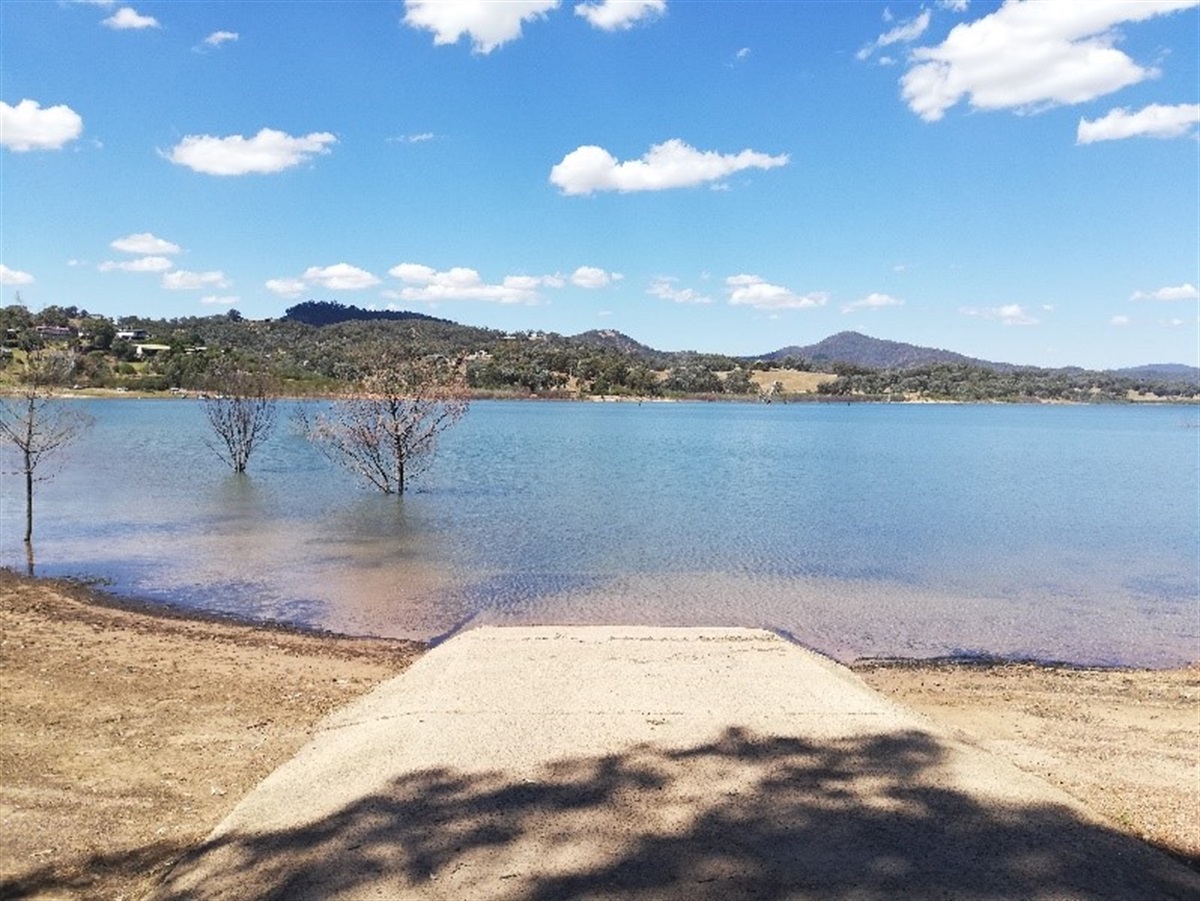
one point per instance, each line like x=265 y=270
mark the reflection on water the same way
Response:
x=1064 y=533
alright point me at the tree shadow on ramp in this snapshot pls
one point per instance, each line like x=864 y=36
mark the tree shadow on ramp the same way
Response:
x=742 y=816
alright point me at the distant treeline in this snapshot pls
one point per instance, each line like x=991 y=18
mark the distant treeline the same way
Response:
x=330 y=312
x=960 y=382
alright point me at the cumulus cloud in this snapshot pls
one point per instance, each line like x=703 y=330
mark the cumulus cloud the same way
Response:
x=489 y=24
x=426 y=284
x=14 y=276
x=956 y=6
x=267 y=152
x=591 y=277
x=217 y=38
x=144 y=243
x=142 y=264
x=672 y=164
x=752 y=291
x=340 y=277
x=616 y=15
x=1153 y=121
x=665 y=288
x=286 y=287
x=27 y=126
x=905 y=33
x=182 y=280
x=1008 y=314
x=1030 y=56
x=128 y=19
x=873 y=301
x=1185 y=291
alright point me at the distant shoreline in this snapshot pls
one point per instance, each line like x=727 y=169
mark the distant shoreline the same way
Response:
x=798 y=398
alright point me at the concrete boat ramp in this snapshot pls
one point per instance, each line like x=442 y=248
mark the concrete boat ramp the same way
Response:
x=608 y=762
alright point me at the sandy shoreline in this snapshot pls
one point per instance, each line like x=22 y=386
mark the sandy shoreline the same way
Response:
x=126 y=735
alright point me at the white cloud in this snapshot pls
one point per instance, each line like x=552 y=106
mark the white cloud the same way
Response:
x=873 y=301
x=286 y=287
x=182 y=280
x=128 y=19
x=218 y=300
x=217 y=38
x=672 y=164
x=14 y=276
x=268 y=151
x=1153 y=121
x=1030 y=56
x=1185 y=291
x=340 y=277
x=905 y=33
x=752 y=291
x=27 y=126
x=955 y=6
x=489 y=23
x=424 y=283
x=591 y=277
x=412 y=139
x=144 y=243
x=142 y=264
x=615 y=15
x=1119 y=320
x=664 y=287
x=1008 y=314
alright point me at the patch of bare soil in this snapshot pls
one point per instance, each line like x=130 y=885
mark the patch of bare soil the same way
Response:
x=126 y=736
x=1124 y=742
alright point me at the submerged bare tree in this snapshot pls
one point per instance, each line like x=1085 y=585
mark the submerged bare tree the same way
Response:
x=241 y=414
x=38 y=424
x=387 y=431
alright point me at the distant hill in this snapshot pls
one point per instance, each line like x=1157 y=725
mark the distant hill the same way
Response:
x=327 y=312
x=614 y=340
x=875 y=353
x=864 y=351
x=1162 y=372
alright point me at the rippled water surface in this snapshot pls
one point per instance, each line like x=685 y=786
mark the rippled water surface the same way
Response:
x=1066 y=533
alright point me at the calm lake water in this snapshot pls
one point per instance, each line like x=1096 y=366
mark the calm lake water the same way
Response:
x=1066 y=533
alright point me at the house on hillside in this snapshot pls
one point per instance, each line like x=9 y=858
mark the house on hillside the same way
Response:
x=144 y=351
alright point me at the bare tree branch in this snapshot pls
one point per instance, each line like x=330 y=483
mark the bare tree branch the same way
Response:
x=241 y=415
x=38 y=424
x=387 y=432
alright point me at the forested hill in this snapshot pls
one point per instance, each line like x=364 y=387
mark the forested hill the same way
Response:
x=326 y=312
x=1162 y=372
x=855 y=349
x=324 y=346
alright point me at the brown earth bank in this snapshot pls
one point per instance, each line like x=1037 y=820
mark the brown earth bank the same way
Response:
x=126 y=735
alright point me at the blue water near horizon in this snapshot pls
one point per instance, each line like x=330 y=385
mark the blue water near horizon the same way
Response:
x=1055 y=532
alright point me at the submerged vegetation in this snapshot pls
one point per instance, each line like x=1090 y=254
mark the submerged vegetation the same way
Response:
x=323 y=347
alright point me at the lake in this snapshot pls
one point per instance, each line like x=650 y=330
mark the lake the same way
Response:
x=1052 y=532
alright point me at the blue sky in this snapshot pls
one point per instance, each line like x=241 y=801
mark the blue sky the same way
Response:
x=1018 y=182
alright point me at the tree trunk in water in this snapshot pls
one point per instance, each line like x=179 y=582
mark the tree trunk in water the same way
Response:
x=28 y=498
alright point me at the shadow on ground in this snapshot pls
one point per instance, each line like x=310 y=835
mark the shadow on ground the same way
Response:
x=740 y=817
x=80 y=876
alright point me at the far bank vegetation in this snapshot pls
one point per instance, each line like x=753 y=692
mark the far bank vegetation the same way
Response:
x=326 y=349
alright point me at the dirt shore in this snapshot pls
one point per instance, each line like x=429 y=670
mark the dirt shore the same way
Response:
x=126 y=735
